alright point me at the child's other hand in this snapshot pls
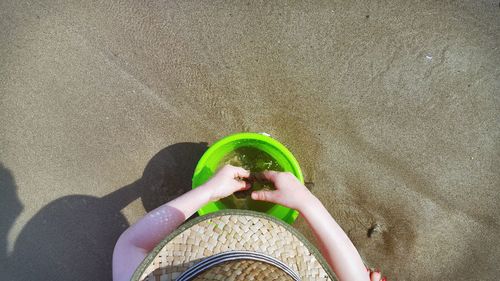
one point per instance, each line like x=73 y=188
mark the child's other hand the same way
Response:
x=289 y=191
x=226 y=181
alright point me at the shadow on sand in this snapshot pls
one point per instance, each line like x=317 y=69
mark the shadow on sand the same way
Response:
x=72 y=238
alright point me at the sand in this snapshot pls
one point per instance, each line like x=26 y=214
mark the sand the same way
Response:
x=391 y=107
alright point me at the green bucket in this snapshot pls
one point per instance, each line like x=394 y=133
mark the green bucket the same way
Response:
x=210 y=161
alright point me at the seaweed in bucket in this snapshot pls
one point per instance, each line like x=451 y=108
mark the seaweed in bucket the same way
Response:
x=255 y=161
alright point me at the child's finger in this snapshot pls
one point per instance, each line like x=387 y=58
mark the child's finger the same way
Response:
x=239 y=172
x=270 y=175
x=243 y=185
x=264 y=195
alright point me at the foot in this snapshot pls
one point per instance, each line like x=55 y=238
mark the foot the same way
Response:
x=375 y=275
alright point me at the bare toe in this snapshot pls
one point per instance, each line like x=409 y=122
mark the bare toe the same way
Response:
x=375 y=276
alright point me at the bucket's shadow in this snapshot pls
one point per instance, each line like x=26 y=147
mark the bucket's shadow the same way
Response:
x=168 y=174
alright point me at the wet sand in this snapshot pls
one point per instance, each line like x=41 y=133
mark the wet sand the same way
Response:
x=392 y=109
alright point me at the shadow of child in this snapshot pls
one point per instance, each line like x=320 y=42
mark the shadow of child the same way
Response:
x=73 y=237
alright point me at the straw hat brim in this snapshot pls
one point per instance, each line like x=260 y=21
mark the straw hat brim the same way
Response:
x=233 y=230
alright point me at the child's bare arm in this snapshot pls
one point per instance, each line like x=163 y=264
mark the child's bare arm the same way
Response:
x=335 y=246
x=139 y=239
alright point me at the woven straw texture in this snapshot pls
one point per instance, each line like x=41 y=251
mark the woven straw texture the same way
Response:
x=229 y=232
x=242 y=271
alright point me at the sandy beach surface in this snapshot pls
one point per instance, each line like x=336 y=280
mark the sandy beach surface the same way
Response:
x=392 y=109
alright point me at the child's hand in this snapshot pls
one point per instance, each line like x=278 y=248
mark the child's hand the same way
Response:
x=289 y=191
x=226 y=181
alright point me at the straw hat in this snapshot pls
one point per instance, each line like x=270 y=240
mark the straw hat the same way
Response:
x=234 y=245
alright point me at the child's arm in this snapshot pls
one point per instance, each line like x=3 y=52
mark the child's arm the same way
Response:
x=138 y=240
x=336 y=247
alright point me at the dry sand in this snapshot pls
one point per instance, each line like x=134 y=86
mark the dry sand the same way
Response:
x=391 y=107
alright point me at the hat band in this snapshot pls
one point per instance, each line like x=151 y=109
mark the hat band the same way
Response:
x=217 y=259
